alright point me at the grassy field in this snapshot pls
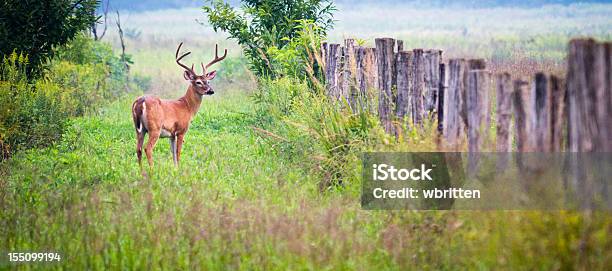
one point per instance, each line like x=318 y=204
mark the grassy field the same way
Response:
x=236 y=203
x=240 y=202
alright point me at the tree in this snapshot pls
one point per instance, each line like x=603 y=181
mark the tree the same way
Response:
x=263 y=24
x=34 y=27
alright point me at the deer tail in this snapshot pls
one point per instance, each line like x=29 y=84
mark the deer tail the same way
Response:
x=137 y=110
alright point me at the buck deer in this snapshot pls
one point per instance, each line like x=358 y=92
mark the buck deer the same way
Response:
x=171 y=118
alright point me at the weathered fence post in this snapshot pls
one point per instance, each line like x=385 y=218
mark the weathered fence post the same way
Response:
x=521 y=103
x=404 y=73
x=542 y=110
x=384 y=59
x=557 y=110
x=324 y=48
x=589 y=101
x=417 y=112
x=503 y=117
x=522 y=114
x=441 y=91
x=454 y=97
x=589 y=96
x=360 y=79
x=477 y=104
x=504 y=112
x=348 y=84
x=432 y=59
x=398 y=47
x=332 y=70
x=370 y=67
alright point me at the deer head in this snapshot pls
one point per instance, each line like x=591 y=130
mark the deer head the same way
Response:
x=200 y=83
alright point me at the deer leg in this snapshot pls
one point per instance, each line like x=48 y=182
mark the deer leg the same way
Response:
x=179 y=147
x=140 y=142
x=173 y=149
x=153 y=137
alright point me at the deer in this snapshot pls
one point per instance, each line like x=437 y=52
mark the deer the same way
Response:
x=171 y=118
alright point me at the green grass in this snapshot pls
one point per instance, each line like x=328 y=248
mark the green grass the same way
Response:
x=236 y=203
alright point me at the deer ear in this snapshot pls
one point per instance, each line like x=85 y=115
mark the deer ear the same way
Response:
x=187 y=75
x=211 y=75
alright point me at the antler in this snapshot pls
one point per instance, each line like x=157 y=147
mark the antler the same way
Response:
x=217 y=58
x=178 y=59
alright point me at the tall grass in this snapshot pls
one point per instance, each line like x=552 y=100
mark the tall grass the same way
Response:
x=236 y=203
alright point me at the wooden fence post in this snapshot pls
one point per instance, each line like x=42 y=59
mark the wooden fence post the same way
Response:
x=404 y=73
x=432 y=59
x=504 y=112
x=360 y=79
x=477 y=105
x=370 y=67
x=542 y=114
x=384 y=59
x=453 y=125
x=557 y=110
x=348 y=67
x=332 y=60
x=589 y=96
x=398 y=47
x=417 y=112
x=324 y=48
x=522 y=114
x=441 y=91
x=589 y=101
x=504 y=117
x=477 y=102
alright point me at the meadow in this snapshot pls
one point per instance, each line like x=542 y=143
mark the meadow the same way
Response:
x=247 y=200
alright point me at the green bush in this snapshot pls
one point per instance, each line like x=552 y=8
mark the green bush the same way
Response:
x=91 y=66
x=32 y=114
x=35 y=28
x=300 y=57
x=328 y=136
x=84 y=75
x=258 y=27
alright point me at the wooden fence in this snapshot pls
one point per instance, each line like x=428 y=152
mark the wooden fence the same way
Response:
x=550 y=114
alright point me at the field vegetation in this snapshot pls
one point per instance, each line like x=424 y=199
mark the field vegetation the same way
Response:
x=270 y=174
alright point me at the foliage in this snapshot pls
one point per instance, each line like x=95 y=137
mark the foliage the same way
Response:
x=300 y=57
x=35 y=27
x=258 y=26
x=315 y=127
x=32 y=114
x=84 y=65
x=84 y=75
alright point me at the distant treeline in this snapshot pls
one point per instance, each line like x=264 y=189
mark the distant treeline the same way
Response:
x=164 y=4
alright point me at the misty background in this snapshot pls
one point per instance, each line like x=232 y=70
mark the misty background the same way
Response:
x=165 y=4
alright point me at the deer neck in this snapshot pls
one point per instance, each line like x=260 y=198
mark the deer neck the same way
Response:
x=193 y=100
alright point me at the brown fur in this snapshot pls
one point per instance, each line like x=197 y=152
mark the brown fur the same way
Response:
x=171 y=118
x=152 y=114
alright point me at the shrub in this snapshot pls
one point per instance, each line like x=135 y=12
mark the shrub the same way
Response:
x=36 y=27
x=328 y=136
x=97 y=62
x=300 y=58
x=84 y=75
x=32 y=114
x=258 y=27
